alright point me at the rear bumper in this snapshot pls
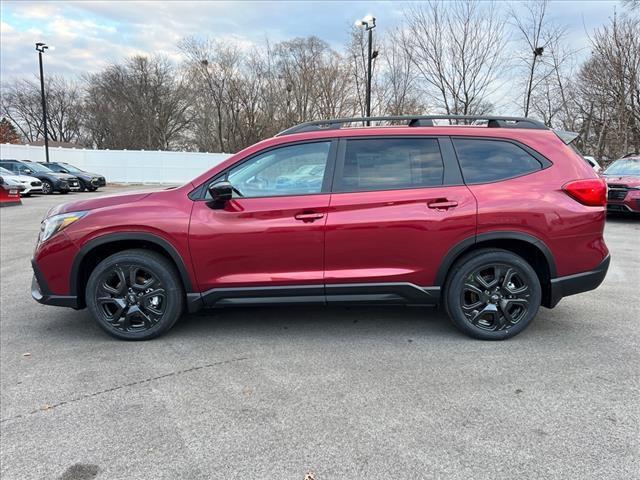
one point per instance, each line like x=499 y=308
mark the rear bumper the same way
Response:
x=578 y=283
x=41 y=293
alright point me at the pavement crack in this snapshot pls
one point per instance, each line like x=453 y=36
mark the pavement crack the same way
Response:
x=124 y=385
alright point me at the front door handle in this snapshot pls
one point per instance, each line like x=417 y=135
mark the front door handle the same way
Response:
x=309 y=216
x=442 y=204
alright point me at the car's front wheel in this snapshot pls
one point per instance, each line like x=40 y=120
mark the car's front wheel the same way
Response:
x=135 y=295
x=492 y=294
x=47 y=187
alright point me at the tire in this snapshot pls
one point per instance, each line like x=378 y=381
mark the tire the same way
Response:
x=82 y=187
x=502 y=313
x=47 y=187
x=130 y=310
x=92 y=189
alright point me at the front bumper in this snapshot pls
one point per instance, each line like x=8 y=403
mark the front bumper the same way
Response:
x=41 y=293
x=623 y=199
x=29 y=189
x=631 y=206
x=580 y=282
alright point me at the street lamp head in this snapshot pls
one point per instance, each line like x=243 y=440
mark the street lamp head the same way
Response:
x=368 y=22
x=41 y=47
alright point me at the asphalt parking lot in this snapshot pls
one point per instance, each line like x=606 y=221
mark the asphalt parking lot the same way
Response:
x=342 y=393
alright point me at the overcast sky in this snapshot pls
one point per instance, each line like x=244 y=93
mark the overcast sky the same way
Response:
x=88 y=35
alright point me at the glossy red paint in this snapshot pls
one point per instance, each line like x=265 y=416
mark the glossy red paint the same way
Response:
x=395 y=235
x=164 y=214
x=259 y=241
x=362 y=237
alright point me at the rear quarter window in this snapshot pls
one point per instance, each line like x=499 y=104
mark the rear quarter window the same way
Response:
x=485 y=161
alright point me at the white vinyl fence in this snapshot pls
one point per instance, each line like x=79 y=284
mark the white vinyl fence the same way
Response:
x=124 y=166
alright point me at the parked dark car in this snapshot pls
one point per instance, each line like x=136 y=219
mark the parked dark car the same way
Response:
x=490 y=222
x=88 y=181
x=623 y=180
x=51 y=181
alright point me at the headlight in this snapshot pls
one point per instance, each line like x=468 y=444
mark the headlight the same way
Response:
x=52 y=225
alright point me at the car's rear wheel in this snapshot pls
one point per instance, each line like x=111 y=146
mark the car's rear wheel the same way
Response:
x=492 y=294
x=47 y=187
x=135 y=295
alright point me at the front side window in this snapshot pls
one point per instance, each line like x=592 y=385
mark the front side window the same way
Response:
x=290 y=170
x=484 y=161
x=390 y=164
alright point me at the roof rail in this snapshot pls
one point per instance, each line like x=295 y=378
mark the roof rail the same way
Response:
x=419 y=121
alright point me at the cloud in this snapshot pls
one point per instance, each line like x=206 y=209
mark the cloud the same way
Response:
x=89 y=35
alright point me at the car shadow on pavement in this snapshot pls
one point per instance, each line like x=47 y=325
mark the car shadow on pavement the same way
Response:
x=269 y=321
x=313 y=322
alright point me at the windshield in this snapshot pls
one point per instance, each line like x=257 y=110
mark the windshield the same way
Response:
x=625 y=166
x=4 y=171
x=70 y=168
x=36 y=167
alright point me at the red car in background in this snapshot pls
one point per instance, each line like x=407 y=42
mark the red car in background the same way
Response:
x=491 y=220
x=9 y=192
x=623 y=180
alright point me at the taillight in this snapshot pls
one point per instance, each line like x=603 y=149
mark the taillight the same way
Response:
x=592 y=192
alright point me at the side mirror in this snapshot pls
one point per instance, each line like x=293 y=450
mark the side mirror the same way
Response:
x=64 y=170
x=27 y=171
x=221 y=192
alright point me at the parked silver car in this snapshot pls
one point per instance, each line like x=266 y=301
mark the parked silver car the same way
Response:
x=30 y=184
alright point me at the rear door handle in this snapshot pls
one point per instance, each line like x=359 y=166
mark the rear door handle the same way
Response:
x=442 y=204
x=309 y=216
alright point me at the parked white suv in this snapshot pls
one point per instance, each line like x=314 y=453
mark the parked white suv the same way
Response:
x=30 y=184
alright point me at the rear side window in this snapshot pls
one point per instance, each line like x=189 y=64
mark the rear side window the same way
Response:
x=389 y=164
x=484 y=161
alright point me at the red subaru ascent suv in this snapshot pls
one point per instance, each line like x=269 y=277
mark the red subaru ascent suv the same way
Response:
x=489 y=217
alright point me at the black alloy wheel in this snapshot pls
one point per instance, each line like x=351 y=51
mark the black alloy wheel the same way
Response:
x=492 y=294
x=131 y=298
x=495 y=297
x=135 y=294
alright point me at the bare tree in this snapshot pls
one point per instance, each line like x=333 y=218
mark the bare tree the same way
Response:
x=21 y=103
x=399 y=76
x=457 y=49
x=609 y=83
x=142 y=103
x=536 y=33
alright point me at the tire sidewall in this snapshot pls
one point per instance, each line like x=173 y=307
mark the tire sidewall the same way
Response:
x=160 y=267
x=50 y=185
x=476 y=260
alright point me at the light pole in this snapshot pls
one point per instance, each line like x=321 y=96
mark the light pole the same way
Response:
x=41 y=47
x=368 y=23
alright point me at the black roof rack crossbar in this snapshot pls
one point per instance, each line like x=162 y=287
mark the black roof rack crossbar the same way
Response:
x=419 y=121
